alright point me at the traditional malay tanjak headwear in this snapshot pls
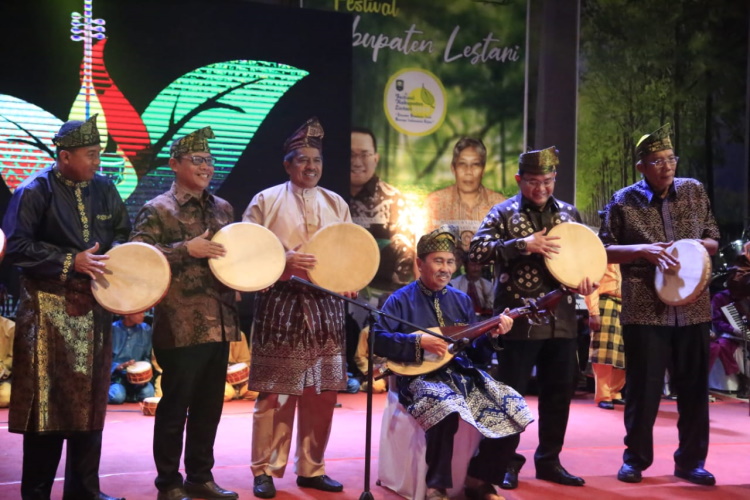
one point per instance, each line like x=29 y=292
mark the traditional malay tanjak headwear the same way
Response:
x=655 y=141
x=309 y=135
x=77 y=134
x=442 y=239
x=194 y=142
x=543 y=161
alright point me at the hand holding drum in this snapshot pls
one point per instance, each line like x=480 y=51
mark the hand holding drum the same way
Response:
x=254 y=258
x=347 y=257
x=581 y=259
x=683 y=282
x=136 y=277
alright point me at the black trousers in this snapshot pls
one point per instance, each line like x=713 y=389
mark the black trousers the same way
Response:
x=192 y=384
x=41 y=456
x=648 y=351
x=488 y=464
x=556 y=373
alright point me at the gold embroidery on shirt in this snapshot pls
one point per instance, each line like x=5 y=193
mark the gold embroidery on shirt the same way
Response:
x=66 y=266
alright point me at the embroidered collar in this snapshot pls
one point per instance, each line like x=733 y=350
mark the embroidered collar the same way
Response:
x=649 y=193
x=66 y=181
x=183 y=196
x=551 y=205
x=430 y=293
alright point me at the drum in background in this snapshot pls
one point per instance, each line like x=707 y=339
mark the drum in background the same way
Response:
x=238 y=373
x=255 y=257
x=2 y=244
x=684 y=283
x=137 y=278
x=148 y=406
x=347 y=257
x=582 y=255
x=139 y=372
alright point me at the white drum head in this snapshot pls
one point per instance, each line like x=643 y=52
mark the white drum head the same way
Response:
x=137 y=278
x=581 y=254
x=255 y=257
x=348 y=257
x=684 y=284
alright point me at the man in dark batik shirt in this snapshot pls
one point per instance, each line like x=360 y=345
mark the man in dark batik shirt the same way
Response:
x=377 y=206
x=193 y=324
x=513 y=237
x=640 y=222
x=58 y=224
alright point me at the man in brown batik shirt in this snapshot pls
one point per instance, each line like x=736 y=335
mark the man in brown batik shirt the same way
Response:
x=193 y=324
x=640 y=223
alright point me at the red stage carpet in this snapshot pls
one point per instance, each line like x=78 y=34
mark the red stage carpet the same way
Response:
x=593 y=450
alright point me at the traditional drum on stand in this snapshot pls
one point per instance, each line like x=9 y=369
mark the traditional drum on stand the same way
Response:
x=148 y=406
x=582 y=255
x=139 y=373
x=137 y=277
x=255 y=257
x=347 y=257
x=684 y=283
x=238 y=373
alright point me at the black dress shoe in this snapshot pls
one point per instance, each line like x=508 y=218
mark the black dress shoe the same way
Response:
x=209 y=489
x=322 y=483
x=629 y=474
x=699 y=475
x=510 y=481
x=177 y=493
x=606 y=405
x=618 y=401
x=263 y=486
x=558 y=474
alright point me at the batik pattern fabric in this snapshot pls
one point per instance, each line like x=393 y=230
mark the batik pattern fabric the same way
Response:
x=634 y=216
x=63 y=344
x=298 y=332
x=377 y=207
x=298 y=341
x=198 y=308
x=494 y=409
x=444 y=206
x=519 y=276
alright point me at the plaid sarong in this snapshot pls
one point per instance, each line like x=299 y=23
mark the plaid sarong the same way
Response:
x=606 y=346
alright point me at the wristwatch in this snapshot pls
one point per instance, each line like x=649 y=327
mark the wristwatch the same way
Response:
x=520 y=244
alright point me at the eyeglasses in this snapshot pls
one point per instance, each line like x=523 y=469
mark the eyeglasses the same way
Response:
x=661 y=162
x=537 y=184
x=200 y=160
x=364 y=156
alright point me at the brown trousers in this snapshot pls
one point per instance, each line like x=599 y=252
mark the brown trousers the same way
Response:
x=273 y=421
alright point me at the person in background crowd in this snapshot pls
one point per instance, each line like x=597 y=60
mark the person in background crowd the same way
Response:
x=131 y=342
x=607 y=351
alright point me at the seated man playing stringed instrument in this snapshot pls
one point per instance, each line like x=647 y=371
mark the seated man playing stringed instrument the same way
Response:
x=457 y=389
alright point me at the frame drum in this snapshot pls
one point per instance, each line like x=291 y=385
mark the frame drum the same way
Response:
x=581 y=254
x=255 y=257
x=684 y=283
x=137 y=278
x=348 y=257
